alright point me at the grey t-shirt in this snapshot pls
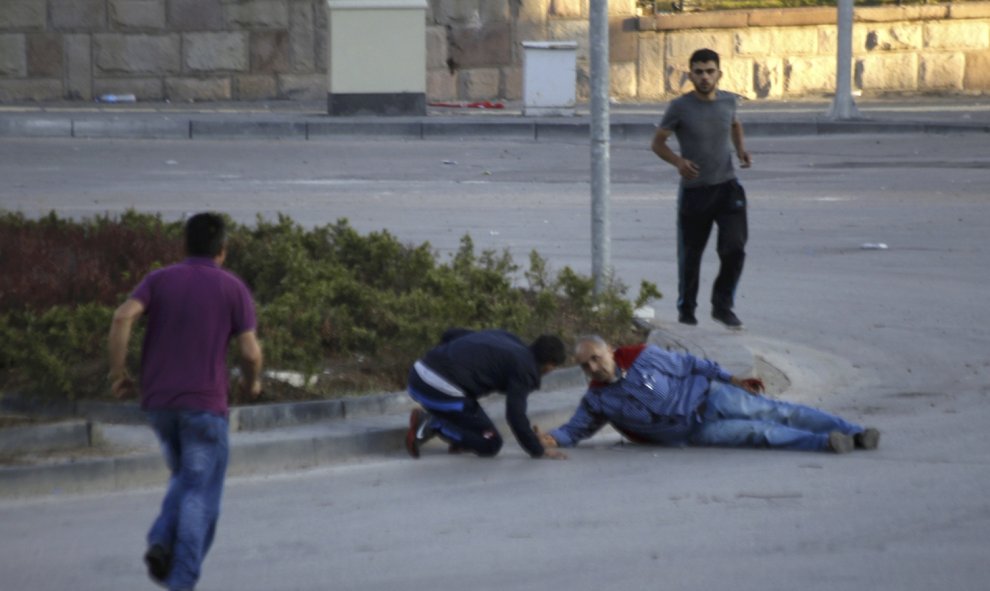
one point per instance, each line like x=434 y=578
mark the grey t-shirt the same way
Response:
x=703 y=129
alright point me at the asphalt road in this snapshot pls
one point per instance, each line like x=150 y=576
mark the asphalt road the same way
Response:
x=893 y=338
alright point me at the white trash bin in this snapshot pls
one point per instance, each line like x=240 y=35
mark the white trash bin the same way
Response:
x=549 y=77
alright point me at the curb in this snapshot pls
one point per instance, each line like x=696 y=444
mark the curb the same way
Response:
x=370 y=429
x=313 y=128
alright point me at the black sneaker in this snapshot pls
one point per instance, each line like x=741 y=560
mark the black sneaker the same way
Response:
x=840 y=443
x=687 y=318
x=419 y=431
x=868 y=439
x=727 y=318
x=159 y=562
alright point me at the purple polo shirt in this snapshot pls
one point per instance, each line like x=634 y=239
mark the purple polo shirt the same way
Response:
x=193 y=310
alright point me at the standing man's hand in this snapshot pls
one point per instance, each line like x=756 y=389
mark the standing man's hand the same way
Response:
x=745 y=160
x=687 y=169
x=250 y=389
x=122 y=386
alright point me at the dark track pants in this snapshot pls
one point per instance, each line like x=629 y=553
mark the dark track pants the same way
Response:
x=697 y=209
x=459 y=420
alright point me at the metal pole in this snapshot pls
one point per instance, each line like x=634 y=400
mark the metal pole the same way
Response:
x=843 y=106
x=600 y=232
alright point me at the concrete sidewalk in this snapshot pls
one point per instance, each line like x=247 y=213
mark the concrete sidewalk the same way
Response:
x=276 y=438
x=308 y=120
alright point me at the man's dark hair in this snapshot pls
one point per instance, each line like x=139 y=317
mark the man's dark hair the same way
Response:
x=704 y=55
x=548 y=348
x=205 y=235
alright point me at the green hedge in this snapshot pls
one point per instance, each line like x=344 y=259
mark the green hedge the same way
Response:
x=353 y=310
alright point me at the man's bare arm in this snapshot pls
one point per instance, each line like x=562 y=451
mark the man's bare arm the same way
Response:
x=739 y=142
x=687 y=169
x=251 y=362
x=121 y=384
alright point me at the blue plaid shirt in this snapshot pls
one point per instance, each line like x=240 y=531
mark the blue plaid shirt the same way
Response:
x=655 y=399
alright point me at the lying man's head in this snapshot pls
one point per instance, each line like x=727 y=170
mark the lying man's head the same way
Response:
x=595 y=357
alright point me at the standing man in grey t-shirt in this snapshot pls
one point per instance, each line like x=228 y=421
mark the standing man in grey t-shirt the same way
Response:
x=704 y=121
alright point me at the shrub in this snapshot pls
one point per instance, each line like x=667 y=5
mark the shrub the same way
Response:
x=353 y=309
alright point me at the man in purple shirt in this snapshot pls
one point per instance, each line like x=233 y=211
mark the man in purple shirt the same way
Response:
x=193 y=309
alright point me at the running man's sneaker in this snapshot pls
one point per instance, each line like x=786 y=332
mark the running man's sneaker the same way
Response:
x=419 y=431
x=840 y=443
x=727 y=318
x=159 y=562
x=868 y=439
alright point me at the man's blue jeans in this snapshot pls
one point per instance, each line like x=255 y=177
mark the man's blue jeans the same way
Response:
x=195 y=448
x=736 y=418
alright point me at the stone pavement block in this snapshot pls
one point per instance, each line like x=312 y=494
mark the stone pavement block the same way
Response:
x=74 y=15
x=977 y=73
x=941 y=71
x=13 y=58
x=275 y=455
x=84 y=476
x=205 y=52
x=887 y=72
x=195 y=15
x=302 y=37
x=136 y=54
x=475 y=130
x=834 y=127
x=23 y=14
x=622 y=80
x=302 y=87
x=649 y=83
x=892 y=38
x=568 y=8
x=479 y=84
x=436 y=48
x=111 y=412
x=348 y=130
x=534 y=11
x=768 y=77
x=957 y=35
x=145 y=89
x=45 y=437
x=372 y=441
x=260 y=417
x=133 y=128
x=78 y=67
x=35 y=127
x=512 y=83
x=804 y=74
x=623 y=40
x=773 y=128
x=681 y=45
x=139 y=471
x=253 y=88
x=441 y=85
x=41 y=89
x=196 y=89
x=44 y=55
x=137 y=14
x=207 y=129
x=257 y=14
x=570 y=130
x=269 y=52
x=471 y=46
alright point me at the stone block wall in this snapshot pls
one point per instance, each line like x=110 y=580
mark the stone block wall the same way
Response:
x=265 y=49
x=475 y=49
x=181 y=50
x=792 y=53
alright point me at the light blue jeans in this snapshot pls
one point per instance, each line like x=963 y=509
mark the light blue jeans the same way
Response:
x=736 y=418
x=196 y=450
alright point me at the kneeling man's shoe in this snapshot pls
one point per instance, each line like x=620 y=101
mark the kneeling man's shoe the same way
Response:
x=419 y=431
